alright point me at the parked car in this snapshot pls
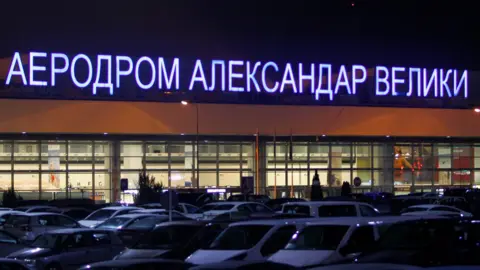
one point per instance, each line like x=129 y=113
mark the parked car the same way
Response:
x=122 y=221
x=186 y=208
x=9 y=243
x=131 y=233
x=248 y=198
x=434 y=209
x=69 y=248
x=162 y=239
x=250 y=241
x=105 y=213
x=27 y=226
x=331 y=240
x=162 y=212
x=331 y=209
x=211 y=210
x=138 y=264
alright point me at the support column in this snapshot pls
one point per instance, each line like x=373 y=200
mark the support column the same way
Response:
x=262 y=159
x=189 y=178
x=114 y=170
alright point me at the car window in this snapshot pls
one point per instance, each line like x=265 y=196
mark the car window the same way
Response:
x=191 y=209
x=79 y=240
x=256 y=207
x=367 y=211
x=223 y=207
x=17 y=220
x=146 y=223
x=278 y=240
x=240 y=237
x=413 y=209
x=318 y=237
x=296 y=209
x=101 y=214
x=442 y=208
x=101 y=239
x=46 y=220
x=5 y=238
x=337 y=211
x=244 y=208
x=166 y=237
x=124 y=212
x=114 y=222
x=65 y=222
x=361 y=238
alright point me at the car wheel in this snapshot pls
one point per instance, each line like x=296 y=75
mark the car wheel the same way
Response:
x=53 y=266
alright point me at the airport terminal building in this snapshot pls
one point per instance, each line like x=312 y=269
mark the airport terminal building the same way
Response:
x=75 y=125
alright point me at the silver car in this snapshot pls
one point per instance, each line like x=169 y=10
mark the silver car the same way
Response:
x=27 y=226
x=69 y=249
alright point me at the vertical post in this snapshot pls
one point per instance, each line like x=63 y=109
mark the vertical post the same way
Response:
x=292 y=195
x=257 y=174
x=275 y=163
x=170 y=204
x=197 y=159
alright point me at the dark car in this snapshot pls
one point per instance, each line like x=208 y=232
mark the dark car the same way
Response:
x=426 y=243
x=10 y=264
x=69 y=248
x=9 y=244
x=248 y=198
x=76 y=213
x=163 y=239
x=135 y=264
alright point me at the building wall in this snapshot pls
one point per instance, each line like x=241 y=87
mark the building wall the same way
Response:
x=80 y=117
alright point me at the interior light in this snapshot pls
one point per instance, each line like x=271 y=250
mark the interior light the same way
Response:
x=184 y=102
x=323 y=135
x=477 y=110
x=388 y=136
x=105 y=133
x=23 y=132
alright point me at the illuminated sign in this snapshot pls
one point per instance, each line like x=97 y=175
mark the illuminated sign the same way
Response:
x=114 y=76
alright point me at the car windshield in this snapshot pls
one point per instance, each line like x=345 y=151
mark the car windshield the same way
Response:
x=147 y=223
x=167 y=237
x=296 y=209
x=102 y=214
x=240 y=237
x=114 y=222
x=49 y=240
x=318 y=237
x=419 y=235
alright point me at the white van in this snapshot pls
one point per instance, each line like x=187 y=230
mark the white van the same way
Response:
x=331 y=239
x=251 y=240
x=330 y=209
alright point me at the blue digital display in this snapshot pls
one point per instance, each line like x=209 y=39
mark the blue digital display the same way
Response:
x=120 y=77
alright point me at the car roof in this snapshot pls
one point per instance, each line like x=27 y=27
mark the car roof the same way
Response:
x=73 y=230
x=235 y=203
x=151 y=210
x=319 y=203
x=119 y=208
x=273 y=222
x=181 y=222
x=427 y=205
x=38 y=214
x=136 y=215
x=36 y=206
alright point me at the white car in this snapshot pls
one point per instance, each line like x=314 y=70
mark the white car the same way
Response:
x=175 y=214
x=250 y=241
x=326 y=209
x=103 y=214
x=211 y=210
x=434 y=209
x=329 y=240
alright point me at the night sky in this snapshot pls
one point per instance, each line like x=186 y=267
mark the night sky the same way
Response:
x=410 y=33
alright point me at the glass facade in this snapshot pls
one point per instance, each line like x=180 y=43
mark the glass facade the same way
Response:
x=49 y=169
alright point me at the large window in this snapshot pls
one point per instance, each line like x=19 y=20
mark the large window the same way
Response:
x=398 y=166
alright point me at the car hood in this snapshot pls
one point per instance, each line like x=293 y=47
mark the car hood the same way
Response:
x=141 y=254
x=28 y=253
x=300 y=258
x=204 y=256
